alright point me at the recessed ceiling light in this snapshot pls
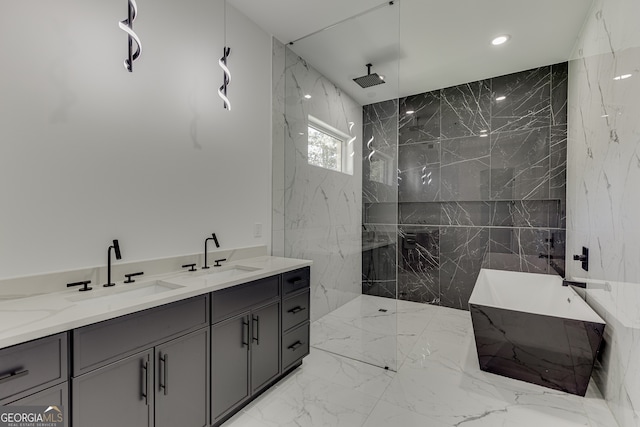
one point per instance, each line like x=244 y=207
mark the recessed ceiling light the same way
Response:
x=501 y=98
x=500 y=39
x=622 y=77
x=307 y=96
x=410 y=112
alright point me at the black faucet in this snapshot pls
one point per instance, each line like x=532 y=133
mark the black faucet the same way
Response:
x=116 y=249
x=215 y=240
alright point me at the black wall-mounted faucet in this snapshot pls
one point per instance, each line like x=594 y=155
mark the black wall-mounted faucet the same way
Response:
x=206 y=241
x=84 y=284
x=116 y=250
x=584 y=258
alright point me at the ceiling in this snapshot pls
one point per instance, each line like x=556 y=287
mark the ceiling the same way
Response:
x=421 y=45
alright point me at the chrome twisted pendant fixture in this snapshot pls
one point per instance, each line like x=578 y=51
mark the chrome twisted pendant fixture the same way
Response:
x=222 y=62
x=226 y=78
x=127 y=27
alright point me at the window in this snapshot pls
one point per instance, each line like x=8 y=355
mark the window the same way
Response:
x=328 y=148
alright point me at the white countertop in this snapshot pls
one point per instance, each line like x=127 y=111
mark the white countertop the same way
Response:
x=38 y=316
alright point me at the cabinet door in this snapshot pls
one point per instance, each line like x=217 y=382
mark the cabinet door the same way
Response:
x=229 y=364
x=265 y=345
x=182 y=385
x=119 y=394
x=57 y=395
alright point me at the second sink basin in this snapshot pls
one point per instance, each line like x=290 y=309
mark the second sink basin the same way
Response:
x=122 y=292
x=227 y=272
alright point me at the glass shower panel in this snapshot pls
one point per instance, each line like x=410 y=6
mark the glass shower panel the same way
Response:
x=341 y=181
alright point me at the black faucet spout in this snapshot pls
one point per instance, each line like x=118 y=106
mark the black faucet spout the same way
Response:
x=206 y=241
x=116 y=249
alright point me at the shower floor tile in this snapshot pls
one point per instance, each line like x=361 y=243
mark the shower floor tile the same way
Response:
x=438 y=382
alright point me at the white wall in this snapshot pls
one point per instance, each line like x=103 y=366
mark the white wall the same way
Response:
x=603 y=178
x=90 y=152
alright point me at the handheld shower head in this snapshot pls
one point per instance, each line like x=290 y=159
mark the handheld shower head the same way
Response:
x=371 y=79
x=116 y=249
x=215 y=240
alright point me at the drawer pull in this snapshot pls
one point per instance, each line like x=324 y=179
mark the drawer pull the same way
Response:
x=296 y=345
x=298 y=282
x=13 y=376
x=296 y=310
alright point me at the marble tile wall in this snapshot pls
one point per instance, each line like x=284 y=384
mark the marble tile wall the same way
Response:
x=481 y=182
x=603 y=181
x=317 y=212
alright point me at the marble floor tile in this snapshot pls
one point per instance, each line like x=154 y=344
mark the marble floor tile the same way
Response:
x=439 y=384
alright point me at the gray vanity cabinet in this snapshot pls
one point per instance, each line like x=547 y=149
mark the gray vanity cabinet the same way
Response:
x=245 y=343
x=181 y=381
x=163 y=384
x=119 y=394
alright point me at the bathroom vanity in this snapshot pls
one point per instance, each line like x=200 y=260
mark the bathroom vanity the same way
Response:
x=187 y=349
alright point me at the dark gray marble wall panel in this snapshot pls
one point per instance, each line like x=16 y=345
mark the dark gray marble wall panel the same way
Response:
x=557 y=263
x=526 y=213
x=549 y=351
x=520 y=165
x=465 y=169
x=418 y=264
x=380 y=111
x=519 y=249
x=462 y=251
x=419 y=178
x=559 y=89
x=466 y=109
x=419 y=213
x=527 y=100
x=558 y=169
x=424 y=123
x=379 y=261
x=380 y=213
x=466 y=213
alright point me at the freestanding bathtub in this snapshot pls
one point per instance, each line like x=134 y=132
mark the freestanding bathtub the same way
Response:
x=529 y=327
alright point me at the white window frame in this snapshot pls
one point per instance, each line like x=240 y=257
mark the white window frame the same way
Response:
x=346 y=150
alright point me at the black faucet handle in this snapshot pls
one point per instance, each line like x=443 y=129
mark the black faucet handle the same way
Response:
x=83 y=284
x=130 y=275
x=191 y=267
x=218 y=261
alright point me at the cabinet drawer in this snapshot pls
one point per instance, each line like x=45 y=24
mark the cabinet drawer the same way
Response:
x=234 y=300
x=295 y=280
x=295 y=310
x=295 y=345
x=56 y=395
x=101 y=343
x=32 y=366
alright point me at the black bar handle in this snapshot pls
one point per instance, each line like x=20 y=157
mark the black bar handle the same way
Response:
x=130 y=275
x=245 y=331
x=256 y=330
x=218 y=261
x=192 y=267
x=145 y=382
x=164 y=373
x=13 y=376
x=299 y=282
x=296 y=345
x=296 y=310
x=83 y=284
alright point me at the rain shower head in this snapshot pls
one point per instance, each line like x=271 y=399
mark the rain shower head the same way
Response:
x=371 y=79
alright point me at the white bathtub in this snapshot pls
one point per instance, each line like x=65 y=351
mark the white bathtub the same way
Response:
x=528 y=326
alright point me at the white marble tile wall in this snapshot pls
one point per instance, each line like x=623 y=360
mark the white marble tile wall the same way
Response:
x=277 y=148
x=321 y=209
x=603 y=178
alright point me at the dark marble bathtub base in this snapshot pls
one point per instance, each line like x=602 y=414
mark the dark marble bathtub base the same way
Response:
x=549 y=351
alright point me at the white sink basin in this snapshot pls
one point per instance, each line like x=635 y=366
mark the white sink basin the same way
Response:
x=124 y=292
x=227 y=272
